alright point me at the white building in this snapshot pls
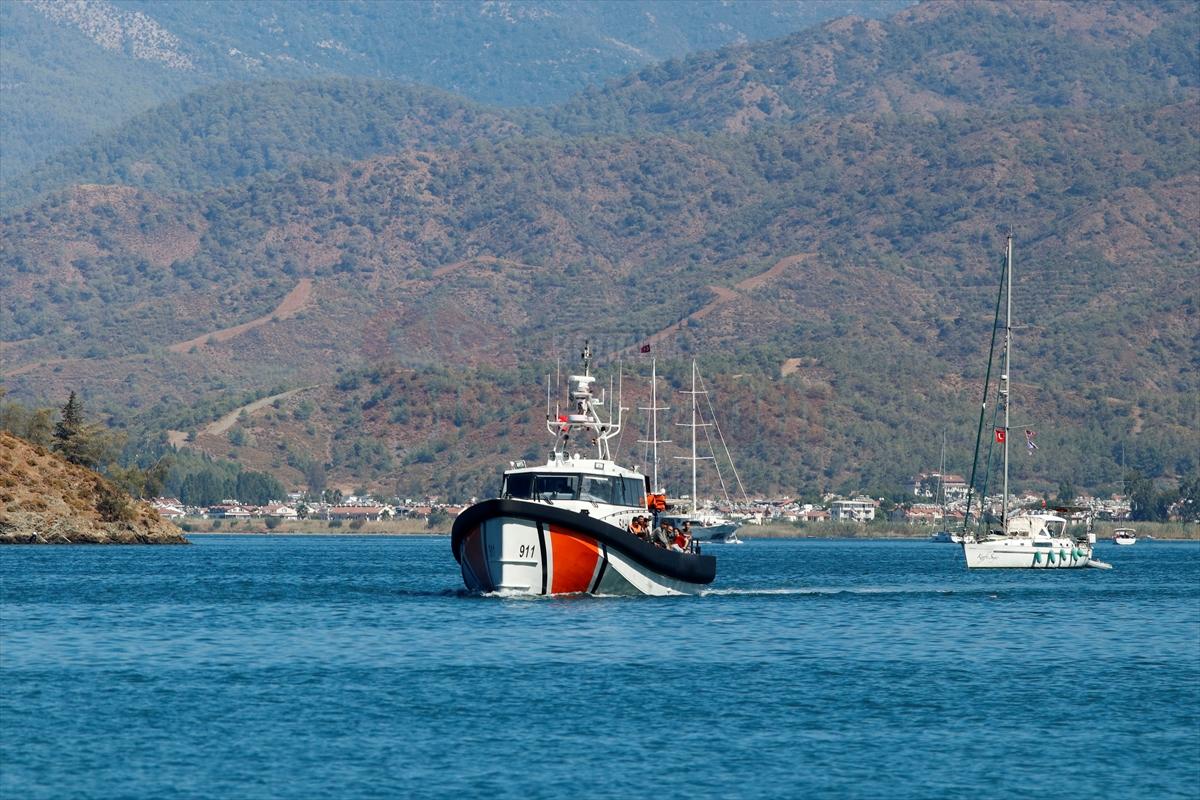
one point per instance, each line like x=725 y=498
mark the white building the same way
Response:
x=860 y=509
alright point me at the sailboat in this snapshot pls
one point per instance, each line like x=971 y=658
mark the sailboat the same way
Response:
x=705 y=526
x=1027 y=540
x=944 y=534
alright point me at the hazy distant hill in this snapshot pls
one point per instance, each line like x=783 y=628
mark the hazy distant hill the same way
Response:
x=74 y=69
x=937 y=58
x=227 y=133
x=836 y=274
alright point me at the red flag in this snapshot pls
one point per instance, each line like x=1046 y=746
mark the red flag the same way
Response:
x=645 y=348
x=1000 y=435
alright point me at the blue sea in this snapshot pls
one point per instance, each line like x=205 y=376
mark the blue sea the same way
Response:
x=355 y=667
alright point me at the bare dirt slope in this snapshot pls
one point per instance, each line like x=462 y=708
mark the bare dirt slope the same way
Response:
x=288 y=306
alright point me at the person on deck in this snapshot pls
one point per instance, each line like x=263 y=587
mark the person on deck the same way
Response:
x=683 y=537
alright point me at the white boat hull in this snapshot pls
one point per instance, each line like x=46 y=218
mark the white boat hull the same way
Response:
x=726 y=532
x=1024 y=553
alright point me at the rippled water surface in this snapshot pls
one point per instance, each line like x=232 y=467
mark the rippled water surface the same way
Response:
x=354 y=667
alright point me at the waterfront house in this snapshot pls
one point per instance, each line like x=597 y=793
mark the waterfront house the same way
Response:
x=860 y=509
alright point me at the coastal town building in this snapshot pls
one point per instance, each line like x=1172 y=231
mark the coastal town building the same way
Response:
x=860 y=509
x=926 y=485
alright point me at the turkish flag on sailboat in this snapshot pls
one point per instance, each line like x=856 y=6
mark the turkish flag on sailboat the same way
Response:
x=645 y=348
x=1001 y=434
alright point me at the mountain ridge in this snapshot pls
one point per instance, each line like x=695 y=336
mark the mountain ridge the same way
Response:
x=439 y=269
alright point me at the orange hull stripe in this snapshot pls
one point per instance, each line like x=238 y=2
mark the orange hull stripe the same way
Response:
x=575 y=560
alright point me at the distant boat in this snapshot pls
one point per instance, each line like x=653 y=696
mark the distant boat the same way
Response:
x=945 y=534
x=1124 y=536
x=1029 y=541
x=704 y=525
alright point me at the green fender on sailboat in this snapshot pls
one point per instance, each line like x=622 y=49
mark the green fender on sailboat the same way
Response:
x=1062 y=555
x=1037 y=558
x=1050 y=556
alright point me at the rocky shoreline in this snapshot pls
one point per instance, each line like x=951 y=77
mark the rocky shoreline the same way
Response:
x=46 y=500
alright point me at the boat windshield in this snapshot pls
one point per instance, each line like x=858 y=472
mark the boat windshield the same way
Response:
x=609 y=489
x=1055 y=527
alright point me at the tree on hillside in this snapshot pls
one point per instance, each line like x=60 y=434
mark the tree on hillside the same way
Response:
x=31 y=424
x=78 y=442
x=68 y=428
x=314 y=476
x=258 y=488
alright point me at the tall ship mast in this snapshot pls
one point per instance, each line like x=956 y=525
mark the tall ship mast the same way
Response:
x=704 y=525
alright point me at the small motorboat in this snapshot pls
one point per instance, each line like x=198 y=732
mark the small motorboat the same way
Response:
x=1124 y=536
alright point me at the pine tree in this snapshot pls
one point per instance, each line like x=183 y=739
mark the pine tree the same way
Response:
x=69 y=433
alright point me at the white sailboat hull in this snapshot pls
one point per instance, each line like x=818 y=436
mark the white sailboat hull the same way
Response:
x=1024 y=553
x=716 y=533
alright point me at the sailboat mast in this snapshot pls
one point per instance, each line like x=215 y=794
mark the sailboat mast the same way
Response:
x=654 y=416
x=1005 y=382
x=942 y=481
x=695 y=499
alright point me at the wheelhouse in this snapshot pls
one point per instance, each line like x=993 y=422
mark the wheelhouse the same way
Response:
x=615 y=490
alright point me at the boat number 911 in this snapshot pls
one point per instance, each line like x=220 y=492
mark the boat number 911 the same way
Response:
x=527 y=551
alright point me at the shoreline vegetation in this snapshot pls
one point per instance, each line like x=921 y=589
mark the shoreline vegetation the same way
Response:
x=1165 y=531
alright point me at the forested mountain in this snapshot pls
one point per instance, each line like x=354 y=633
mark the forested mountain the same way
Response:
x=224 y=134
x=934 y=59
x=835 y=274
x=74 y=69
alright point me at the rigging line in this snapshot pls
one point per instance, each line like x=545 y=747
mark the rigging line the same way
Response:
x=987 y=473
x=987 y=382
x=716 y=463
x=708 y=397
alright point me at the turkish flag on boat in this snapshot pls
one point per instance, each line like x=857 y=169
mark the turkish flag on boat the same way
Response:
x=645 y=348
x=1001 y=434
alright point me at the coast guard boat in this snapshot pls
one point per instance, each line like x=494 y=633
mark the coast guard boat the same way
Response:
x=563 y=527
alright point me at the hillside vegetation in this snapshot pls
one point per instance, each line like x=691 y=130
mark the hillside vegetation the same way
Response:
x=72 y=70
x=855 y=244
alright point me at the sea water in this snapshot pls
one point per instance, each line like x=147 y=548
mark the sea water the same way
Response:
x=355 y=667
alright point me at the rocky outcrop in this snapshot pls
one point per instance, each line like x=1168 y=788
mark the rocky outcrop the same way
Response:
x=46 y=500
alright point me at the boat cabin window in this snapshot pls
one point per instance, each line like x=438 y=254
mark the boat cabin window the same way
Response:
x=556 y=487
x=608 y=489
x=1055 y=527
x=597 y=488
